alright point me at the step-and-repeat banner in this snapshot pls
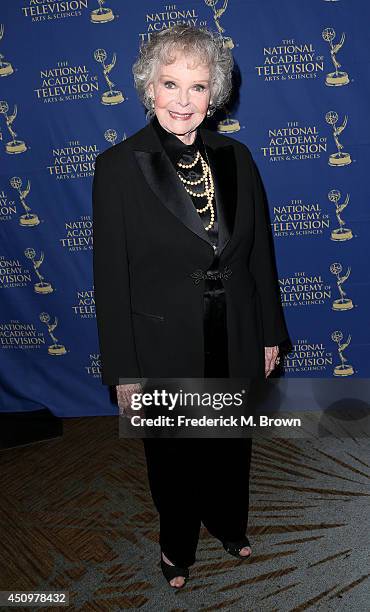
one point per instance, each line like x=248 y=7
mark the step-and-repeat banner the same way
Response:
x=66 y=94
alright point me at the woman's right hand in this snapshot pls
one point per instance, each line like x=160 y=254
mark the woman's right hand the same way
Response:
x=124 y=395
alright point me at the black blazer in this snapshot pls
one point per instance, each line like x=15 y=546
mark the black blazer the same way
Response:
x=151 y=252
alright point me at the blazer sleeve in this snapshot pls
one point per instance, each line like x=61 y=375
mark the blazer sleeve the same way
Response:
x=262 y=266
x=111 y=278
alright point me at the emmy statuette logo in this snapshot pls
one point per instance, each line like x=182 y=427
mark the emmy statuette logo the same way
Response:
x=228 y=124
x=111 y=136
x=344 y=369
x=28 y=219
x=13 y=146
x=112 y=96
x=217 y=13
x=337 y=78
x=56 y=348
x=340 y=233
x=340 y=158
x=6 y=69
x=101 y=14
x=41 y=287
x=342 y=303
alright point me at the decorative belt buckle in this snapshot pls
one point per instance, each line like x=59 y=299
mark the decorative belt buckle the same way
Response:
x=199 y=275
x=213 y=274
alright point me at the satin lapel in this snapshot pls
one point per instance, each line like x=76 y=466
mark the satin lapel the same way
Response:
x=223 y=166
x=164 y=182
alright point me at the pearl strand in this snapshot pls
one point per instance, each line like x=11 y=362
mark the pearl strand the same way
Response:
x=209 y=188
x=182 y=165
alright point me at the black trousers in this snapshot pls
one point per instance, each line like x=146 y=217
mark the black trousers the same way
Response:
x=201 y=480
x=198 y=480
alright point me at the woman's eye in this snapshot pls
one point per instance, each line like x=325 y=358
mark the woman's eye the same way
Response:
x=169 y=84
x=199 y=87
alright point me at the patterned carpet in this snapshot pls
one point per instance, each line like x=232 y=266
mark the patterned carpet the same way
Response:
x=76 y=515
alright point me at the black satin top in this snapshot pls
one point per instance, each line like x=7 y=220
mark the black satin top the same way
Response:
x=178 y=151
x=215 y=327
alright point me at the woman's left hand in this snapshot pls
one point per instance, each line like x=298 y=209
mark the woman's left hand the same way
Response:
x=271 y=359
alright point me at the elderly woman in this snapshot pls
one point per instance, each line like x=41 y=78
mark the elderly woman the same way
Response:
x=185 y=283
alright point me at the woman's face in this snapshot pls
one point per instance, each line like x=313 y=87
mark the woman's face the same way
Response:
x=181 y=93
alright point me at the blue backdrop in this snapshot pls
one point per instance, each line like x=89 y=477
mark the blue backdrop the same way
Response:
x=66 y=94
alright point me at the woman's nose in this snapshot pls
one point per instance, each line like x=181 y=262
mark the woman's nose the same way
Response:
x=183 y=97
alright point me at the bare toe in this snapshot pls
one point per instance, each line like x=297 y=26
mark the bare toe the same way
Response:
x=246 y=551
x=178 y=581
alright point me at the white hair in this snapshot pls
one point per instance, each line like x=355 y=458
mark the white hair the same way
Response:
x=201 y=44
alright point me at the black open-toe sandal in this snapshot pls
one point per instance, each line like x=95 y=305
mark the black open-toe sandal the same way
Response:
x=172 y=571
x=234 y=548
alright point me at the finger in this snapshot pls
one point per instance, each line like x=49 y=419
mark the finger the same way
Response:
x=268 y=363
x=270 y=359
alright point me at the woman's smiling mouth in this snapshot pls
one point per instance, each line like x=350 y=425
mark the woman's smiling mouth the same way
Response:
x=180 y=116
